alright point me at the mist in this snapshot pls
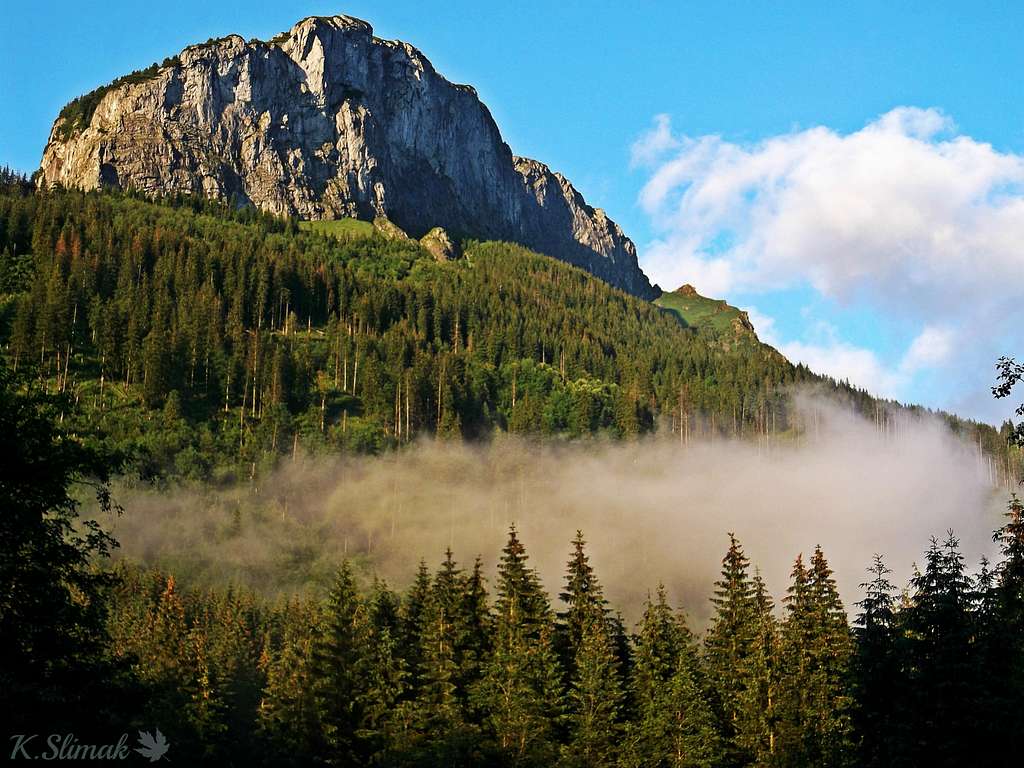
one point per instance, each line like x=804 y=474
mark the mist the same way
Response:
x=651 y=511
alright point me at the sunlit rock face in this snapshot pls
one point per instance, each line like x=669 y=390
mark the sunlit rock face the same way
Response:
x=327 y=121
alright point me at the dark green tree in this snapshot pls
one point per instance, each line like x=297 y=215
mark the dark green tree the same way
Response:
x=940 y=654
x=1009 y=373
x=729 y=646
x=339 y=669
x=583 y=599
x=52 y=602
x=595 y=699
x=672 y=723
x=815 y=727
x=1004 y=632
x=876 y=667
x=521 y=690
x=757 y=721
x=289 y=716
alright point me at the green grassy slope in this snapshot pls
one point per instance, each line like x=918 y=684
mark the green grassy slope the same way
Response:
x=696 y=311
x=345 y=229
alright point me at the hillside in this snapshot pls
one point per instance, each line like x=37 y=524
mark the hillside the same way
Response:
x=208 y=340
x=327 y=121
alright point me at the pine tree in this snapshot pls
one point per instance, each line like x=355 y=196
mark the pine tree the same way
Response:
x=815 y=726
x=728 y=646
x=673 y=723
x=756 y=724
x=53 y=624
x=584 y=600
x=413 y=618
x=1004 y=632
x=385 y=609
x=595 y=699
x=385 y=724
x=477 y=622
x=440 y=707
x=941 y=655
x=520 y=597
x=835 y=651
x=521 y=690
x=338 y=668
x=876 y=669
x=288 y=714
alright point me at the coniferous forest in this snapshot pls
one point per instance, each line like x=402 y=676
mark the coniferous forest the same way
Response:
x=193 y=341
x=459 y=671
x=206 y=342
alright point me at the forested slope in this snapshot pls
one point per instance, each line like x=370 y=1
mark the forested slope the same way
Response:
x=207 y=339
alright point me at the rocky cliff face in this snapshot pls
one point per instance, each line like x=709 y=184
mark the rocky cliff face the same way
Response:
x=327 y=121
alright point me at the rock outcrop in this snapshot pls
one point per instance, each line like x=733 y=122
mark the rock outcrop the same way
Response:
x=440 y=245
x=328 y=121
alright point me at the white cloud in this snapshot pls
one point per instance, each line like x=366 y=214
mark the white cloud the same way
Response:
x=650 y=147
x=932 y=347
x=843 y=361
x=906 y=218
x=824 y=351
x=764 y=326
x=893 y=210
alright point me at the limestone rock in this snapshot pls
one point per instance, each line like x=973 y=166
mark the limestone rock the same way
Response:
x=328 y=121
x=440 y=245
x=389 y=229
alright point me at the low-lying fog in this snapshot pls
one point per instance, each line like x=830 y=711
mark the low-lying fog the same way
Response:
x=651 y=510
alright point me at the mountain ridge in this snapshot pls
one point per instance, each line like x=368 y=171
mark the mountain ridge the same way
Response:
x=328 y=121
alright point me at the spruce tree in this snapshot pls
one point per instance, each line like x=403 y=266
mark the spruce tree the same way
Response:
x=338 y=661
x=815 y=727
x=728 y=646
x=673 y=724
x=756 y=723
x=413 y=618
x=583 y=598
x=595 y=699
x=876 y=669
x=941 y=655
x=521 y=690
x=477 y=622
x=385 y=726
x=1005 y=636
x=289 y=721
x=440 y=707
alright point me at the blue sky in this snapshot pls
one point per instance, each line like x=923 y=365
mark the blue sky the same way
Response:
x=767 y=92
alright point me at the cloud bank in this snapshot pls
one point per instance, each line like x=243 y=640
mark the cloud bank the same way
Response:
x=905 y=217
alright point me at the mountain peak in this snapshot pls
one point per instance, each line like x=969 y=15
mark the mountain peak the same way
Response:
x=326 y=121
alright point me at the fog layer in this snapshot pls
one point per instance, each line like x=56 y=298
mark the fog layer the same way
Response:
x=651 y=511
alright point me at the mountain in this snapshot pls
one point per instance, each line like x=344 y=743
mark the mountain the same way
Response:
x=327 y=121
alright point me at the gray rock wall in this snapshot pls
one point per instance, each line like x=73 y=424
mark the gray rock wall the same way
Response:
x=328 y=121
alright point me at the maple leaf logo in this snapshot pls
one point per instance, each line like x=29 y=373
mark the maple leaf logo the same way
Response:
x=154 y=746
